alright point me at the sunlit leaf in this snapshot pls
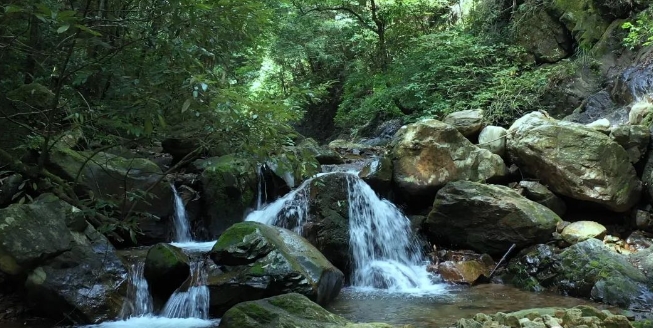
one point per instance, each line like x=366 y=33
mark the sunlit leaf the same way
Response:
x=63 y=28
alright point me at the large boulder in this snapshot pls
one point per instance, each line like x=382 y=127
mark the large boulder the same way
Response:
x=493 y=138
x=633 y=138
x=468 y=122
x=429 y=153
x=488 y=218
x=290 y=310
x=129 y=184
x=86 y=284
x=574 y=161
x=262 y=261
x=378 y=174
x=591 y=269
x=539 y=193
x=587 y=269
x=544 y=37
x=166 y=269
x=33 y=233
x=230 y=184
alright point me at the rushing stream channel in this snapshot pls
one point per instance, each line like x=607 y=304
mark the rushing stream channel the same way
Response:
x=390 y=282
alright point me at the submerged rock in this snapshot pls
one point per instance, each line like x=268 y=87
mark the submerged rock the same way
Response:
x=84 y=285
x=166 y=269
x=579 y=316
x=261 y=261
x=429 y=153
x=574 y=161
x=290 y=310
x=488 y=218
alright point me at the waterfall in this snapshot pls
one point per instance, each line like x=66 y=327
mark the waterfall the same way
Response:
x=262 y=195
x=385 y=251
x=138 y=302
x=182 y=226
x=193 y=302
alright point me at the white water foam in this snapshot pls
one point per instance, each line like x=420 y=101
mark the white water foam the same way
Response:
x=195 y=246
x=386 y=253
x=181 y=224
x=158 y=322
x=138 y=302
x=193 y=302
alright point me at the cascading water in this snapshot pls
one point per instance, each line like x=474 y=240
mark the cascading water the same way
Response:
x=193 y=302
x=262 y=189
x=139 y=301
x=385 y=251
x=182 y=226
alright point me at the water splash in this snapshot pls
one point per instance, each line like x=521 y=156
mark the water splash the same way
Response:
x=159 y=322
x=290 y=211
x=182 y=226
x=262 y=193
x=139 y=301
x=193 y=302
x=386 y=254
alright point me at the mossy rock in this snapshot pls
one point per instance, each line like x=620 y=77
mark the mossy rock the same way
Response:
x=582 y=17
x=33 y=233
x=230 y=185
x=166 y=269
x=262 y=260
x=285 y=311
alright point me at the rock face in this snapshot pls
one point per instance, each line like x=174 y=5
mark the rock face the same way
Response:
x=290 y=310
x=230 y=185
x=586 y=19
x=467 y=122
x=583 y=230
x=262 y=261
x=539 y=193
x=86 y=284
x=633 y=83
x=429 y=153
x=493 y=138
x=488 y=218
x=574 y=161
x=114 y=179
x=547 y=39
x=633 y=138
x=32 y=233
x=166 y=268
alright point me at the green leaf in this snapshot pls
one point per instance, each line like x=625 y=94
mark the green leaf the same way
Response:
x=88 y=30
x=63 y=28
x=148 y=127
x=13 y=9
x=185 y=106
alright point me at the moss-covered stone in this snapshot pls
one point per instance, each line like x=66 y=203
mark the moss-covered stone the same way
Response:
x=263 y=261
x=32 y=233
x=286 y=311
x=230 y=184
x=166 y=268
x=84 y=285
x=541 y=35
x=582 y=17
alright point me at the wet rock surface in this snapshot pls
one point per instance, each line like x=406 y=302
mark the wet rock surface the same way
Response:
x=262 y=261
x=290 y=310
x=166 y=269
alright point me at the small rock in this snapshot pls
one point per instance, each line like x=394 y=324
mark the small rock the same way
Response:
x=493 y=138
x=583 y=230
x=467 y=122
